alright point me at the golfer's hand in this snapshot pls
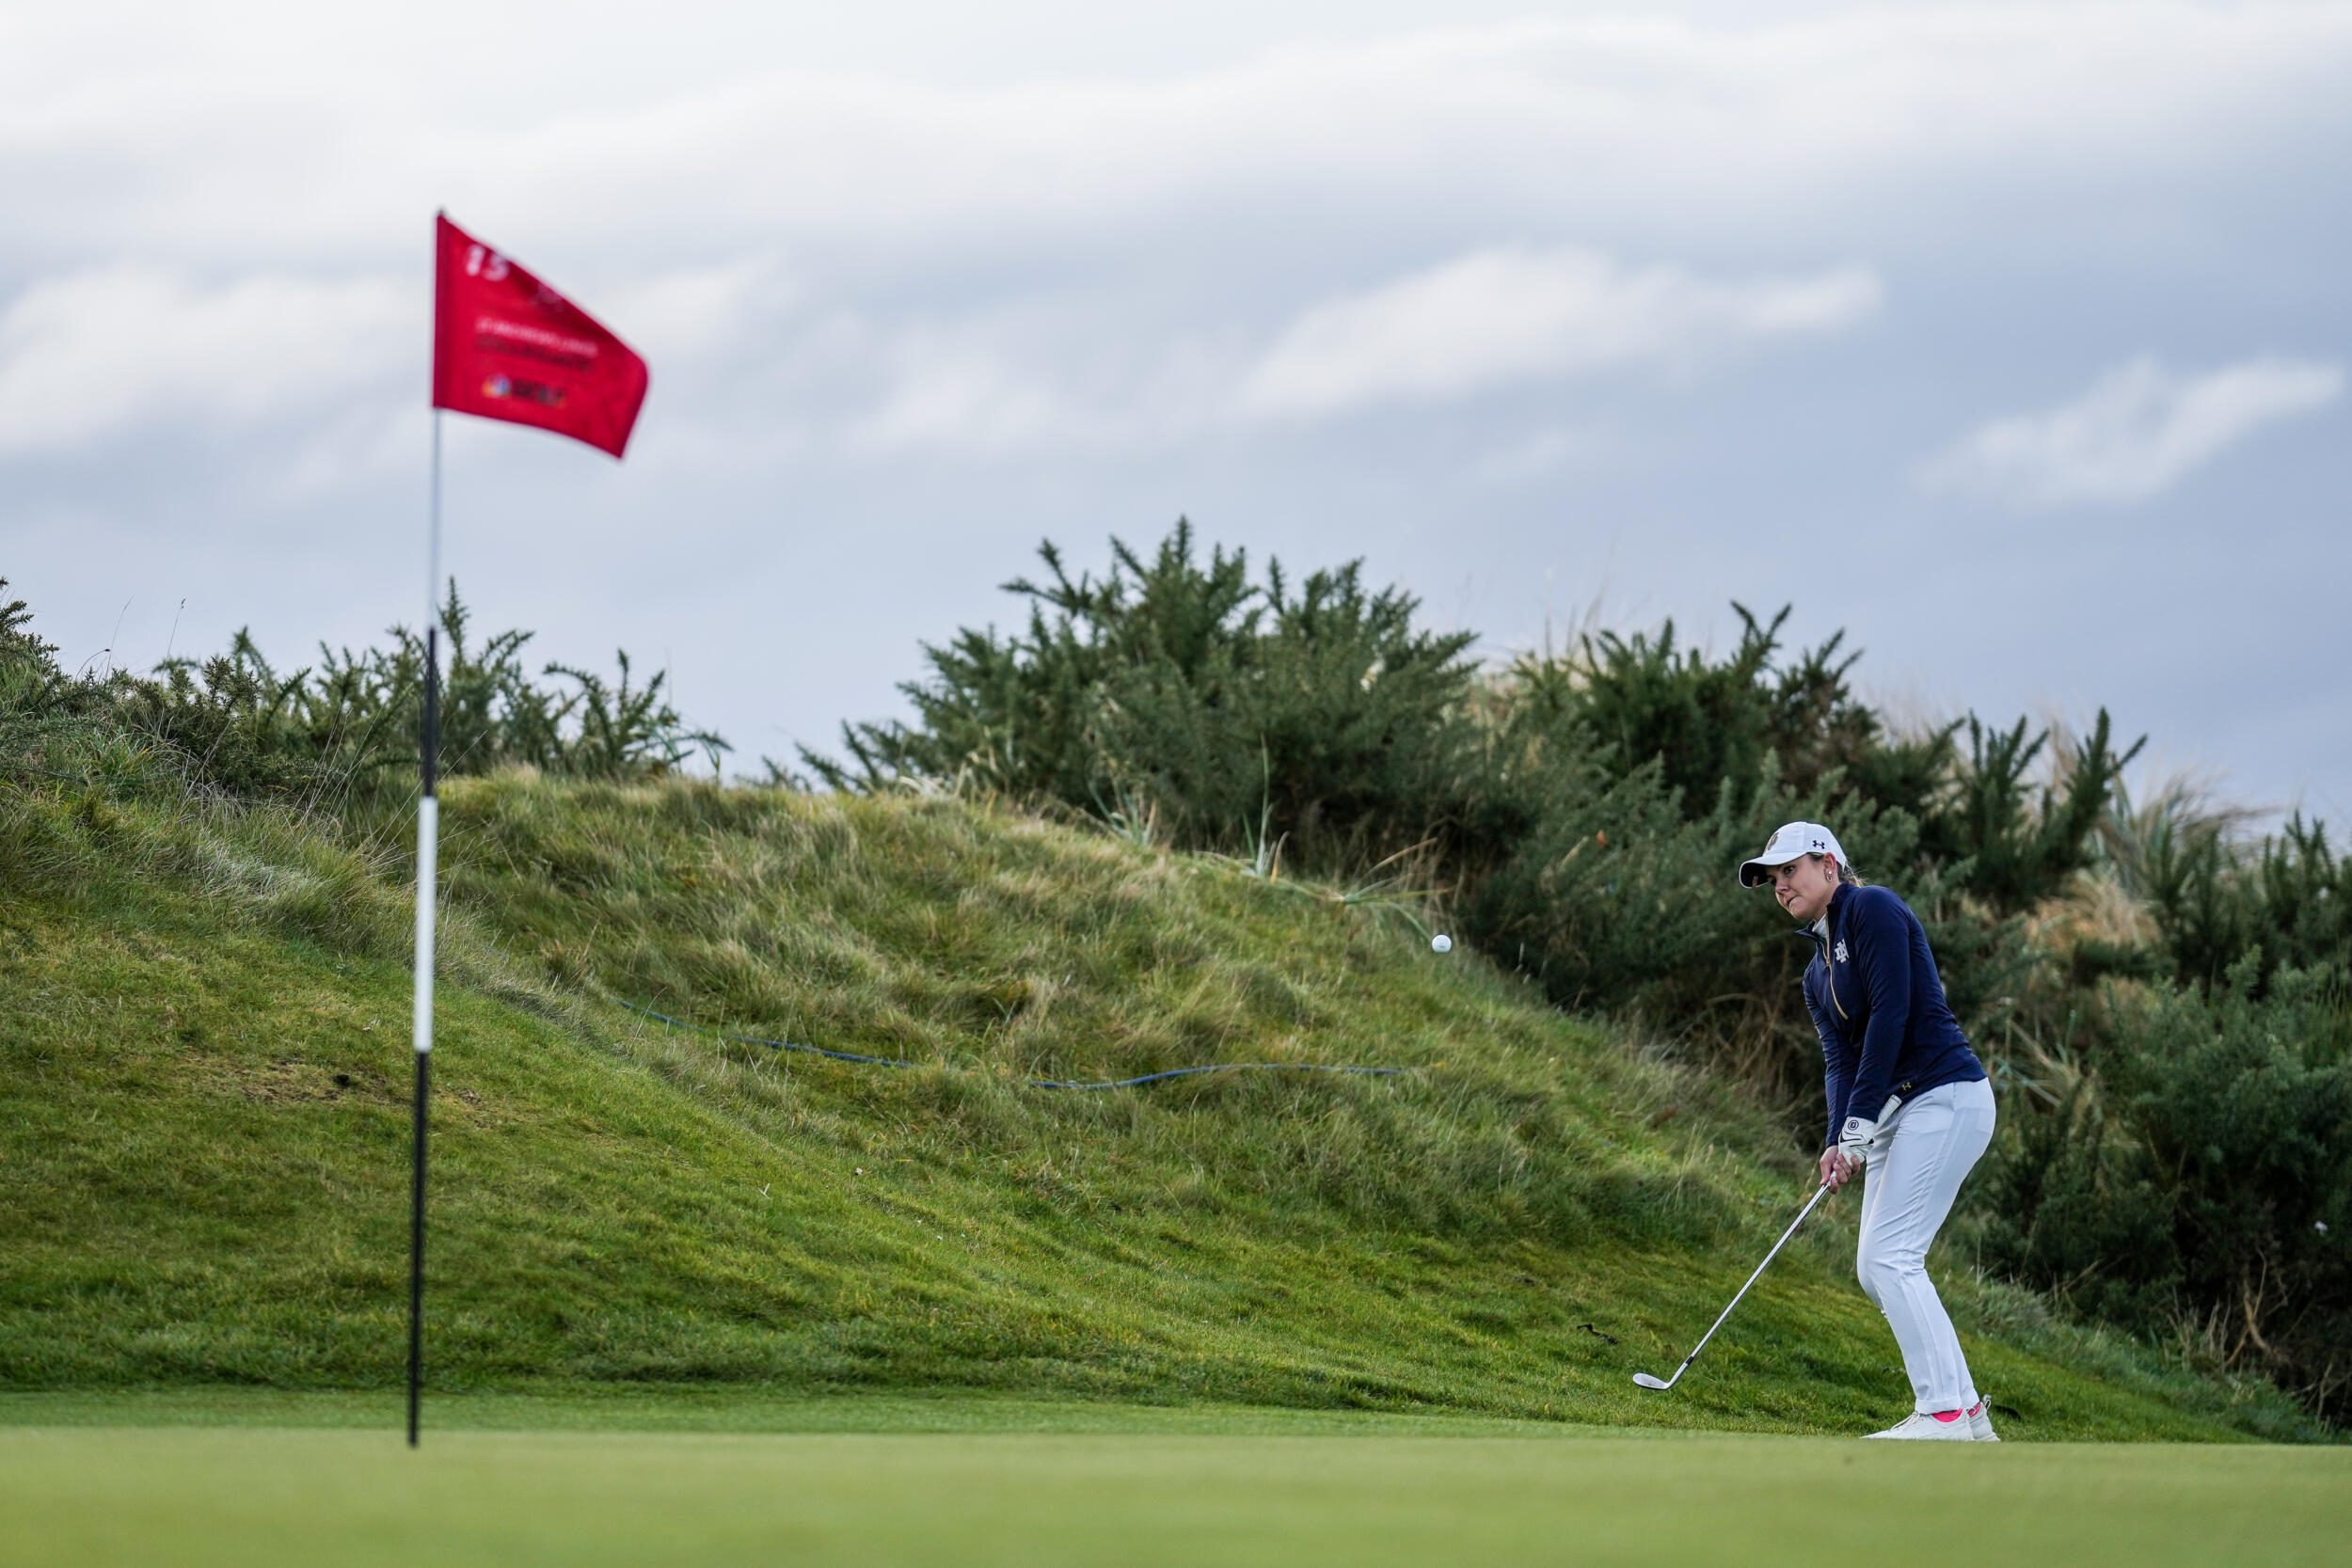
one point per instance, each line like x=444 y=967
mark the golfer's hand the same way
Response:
x=1837 y=1170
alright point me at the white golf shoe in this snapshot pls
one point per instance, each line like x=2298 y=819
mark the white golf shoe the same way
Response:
x=1949 y=1425
x=1980 y=1422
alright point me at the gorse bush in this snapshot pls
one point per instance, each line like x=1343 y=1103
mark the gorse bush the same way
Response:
x=1705 y=724
x=2198 y=1183
x=1184 y=694
x=2285 y=899
x=344 y=731
x=2184 y=1166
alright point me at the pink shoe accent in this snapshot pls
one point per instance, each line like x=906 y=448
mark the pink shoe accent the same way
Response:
x=1948 y=1417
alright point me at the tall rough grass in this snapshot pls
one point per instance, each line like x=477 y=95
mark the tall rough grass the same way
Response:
x=992 y=948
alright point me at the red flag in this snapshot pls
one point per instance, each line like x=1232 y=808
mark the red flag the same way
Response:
x=506 y=346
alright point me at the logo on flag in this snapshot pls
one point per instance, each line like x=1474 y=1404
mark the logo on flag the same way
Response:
x=505 y=347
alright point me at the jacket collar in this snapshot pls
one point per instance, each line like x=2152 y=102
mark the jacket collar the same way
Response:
x=1819 y=933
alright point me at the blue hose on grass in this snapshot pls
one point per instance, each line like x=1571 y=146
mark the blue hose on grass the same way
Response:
x=1032 y=1082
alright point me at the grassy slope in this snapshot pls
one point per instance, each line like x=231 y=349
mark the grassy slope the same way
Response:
x=203 y=1067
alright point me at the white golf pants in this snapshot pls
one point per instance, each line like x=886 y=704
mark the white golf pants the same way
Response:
x=1916 y=1168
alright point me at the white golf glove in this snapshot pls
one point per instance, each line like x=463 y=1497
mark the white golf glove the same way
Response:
x=1854 y=1139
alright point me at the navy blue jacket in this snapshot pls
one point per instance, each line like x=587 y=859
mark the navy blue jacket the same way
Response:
x=1879 y=1004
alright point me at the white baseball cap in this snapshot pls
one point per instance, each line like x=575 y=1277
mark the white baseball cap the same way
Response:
x=1788 y=842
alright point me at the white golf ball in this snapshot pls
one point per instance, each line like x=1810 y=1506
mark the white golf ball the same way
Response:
x=1441 y=943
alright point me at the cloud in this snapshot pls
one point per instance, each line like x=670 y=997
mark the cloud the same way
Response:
x=2135 y=432
x=340 y=134
x=1496 y=317
x=93 y=353
x=1042 y=251
x=971 y=405
x=706 y=313
x=1539 y=454
x=1033 y=380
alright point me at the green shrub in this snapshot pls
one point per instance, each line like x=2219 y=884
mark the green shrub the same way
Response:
x=1180 y=695
x=2198 y=1182
x=344 y=731
x=2216 y=900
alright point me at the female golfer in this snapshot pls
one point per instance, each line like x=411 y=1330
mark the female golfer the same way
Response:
x=1908 y=1100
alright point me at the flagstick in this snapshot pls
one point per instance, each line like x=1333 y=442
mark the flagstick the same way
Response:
x=428 y=844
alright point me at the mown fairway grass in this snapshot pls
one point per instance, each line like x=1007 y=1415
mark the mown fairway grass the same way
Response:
x=255 y=1497
x=203 y=1074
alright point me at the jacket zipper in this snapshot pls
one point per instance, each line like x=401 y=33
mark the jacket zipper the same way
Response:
x=1829 y=970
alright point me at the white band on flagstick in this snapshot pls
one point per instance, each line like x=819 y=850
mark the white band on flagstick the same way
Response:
x=428 y=855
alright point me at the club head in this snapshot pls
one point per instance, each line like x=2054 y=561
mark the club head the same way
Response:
x=1648 y=1381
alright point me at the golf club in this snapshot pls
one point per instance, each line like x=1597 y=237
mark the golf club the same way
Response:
x=1646 y=1381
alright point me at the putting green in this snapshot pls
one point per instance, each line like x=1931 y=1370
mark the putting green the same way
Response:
x=72 y=1496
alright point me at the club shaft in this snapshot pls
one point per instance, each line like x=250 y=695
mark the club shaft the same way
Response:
x=1819 y=1194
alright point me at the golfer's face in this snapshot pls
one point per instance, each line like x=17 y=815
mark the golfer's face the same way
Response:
x=1803 y=885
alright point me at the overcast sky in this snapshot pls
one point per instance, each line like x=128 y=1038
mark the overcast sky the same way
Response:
x=2013 y=337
